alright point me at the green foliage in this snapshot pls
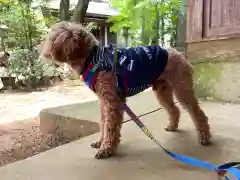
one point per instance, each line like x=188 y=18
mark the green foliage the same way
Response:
x=20 y=64
x=3 y=1
x=91 y=26
x=25 y=26
x=141 y=18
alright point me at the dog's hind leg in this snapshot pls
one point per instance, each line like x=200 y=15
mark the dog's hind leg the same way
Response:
x=180 y=78
x=186 y=97
x=164 y=94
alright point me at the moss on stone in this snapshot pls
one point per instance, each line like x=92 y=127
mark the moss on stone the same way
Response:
x=206 y=75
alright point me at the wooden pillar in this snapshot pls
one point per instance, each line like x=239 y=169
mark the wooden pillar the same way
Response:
x=105 y=35
x=101 y=34
x=194 y=20
x=182 y=29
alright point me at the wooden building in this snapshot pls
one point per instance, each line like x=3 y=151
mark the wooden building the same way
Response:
x=212 y=45
x=98 y=11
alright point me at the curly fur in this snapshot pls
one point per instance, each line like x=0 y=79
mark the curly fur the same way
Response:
x=71 y=43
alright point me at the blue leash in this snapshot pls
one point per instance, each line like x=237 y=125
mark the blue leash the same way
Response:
x=221 y=170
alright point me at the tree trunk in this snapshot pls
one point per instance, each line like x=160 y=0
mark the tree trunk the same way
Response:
x=3 y=44
x=125 y=35
x=143 y=28
x=162 y=26
x=26 y=43
x=155 y=38
x=157 y=24
x=29 y=26
x=144 y=37
x=80 y=11
x=64 y=10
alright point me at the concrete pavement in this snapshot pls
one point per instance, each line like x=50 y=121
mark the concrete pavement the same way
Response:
x=138 y=158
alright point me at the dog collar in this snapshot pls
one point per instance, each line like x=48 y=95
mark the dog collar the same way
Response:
x=90 y=75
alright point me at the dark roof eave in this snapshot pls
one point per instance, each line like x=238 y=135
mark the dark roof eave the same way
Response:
x=98 y=16
x=93 y=15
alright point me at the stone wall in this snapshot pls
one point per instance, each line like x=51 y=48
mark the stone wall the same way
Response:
x=216 y=68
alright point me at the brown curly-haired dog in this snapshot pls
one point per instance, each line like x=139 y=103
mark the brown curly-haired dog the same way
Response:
x=73 y=44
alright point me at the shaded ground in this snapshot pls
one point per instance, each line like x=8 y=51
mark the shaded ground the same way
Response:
x=22 y=139
x=137 y=156
x=20 y=136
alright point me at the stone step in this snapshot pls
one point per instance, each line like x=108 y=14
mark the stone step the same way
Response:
x=137 y=156
x=82 y=118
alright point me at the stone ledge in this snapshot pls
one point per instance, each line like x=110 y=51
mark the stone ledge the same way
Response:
x=64 y=126
x=83 y=117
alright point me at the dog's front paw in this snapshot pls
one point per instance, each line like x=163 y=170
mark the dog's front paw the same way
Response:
x=96 y=145
x=104 y=153
x=204 y=138
x=172 y=127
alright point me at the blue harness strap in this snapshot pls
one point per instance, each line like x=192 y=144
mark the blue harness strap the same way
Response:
x=90 y=75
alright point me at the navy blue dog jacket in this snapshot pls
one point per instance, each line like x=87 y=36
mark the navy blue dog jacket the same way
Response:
x=136 y=68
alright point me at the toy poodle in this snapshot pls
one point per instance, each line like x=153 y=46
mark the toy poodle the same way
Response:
x=115 y=74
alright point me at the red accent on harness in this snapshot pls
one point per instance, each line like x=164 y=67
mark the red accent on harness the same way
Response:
x=93 y=78
x=86 y=71
x=221 y=173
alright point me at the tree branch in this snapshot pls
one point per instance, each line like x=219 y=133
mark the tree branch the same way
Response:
x=80 y=11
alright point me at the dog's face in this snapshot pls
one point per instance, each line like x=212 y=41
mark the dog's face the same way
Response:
x=67 y=43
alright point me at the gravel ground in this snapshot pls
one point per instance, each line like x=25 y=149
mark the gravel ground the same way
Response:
x=22 y=139
x=20 y=135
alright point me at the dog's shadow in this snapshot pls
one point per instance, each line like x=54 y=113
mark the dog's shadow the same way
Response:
x=181 y=142
x=143 y=158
